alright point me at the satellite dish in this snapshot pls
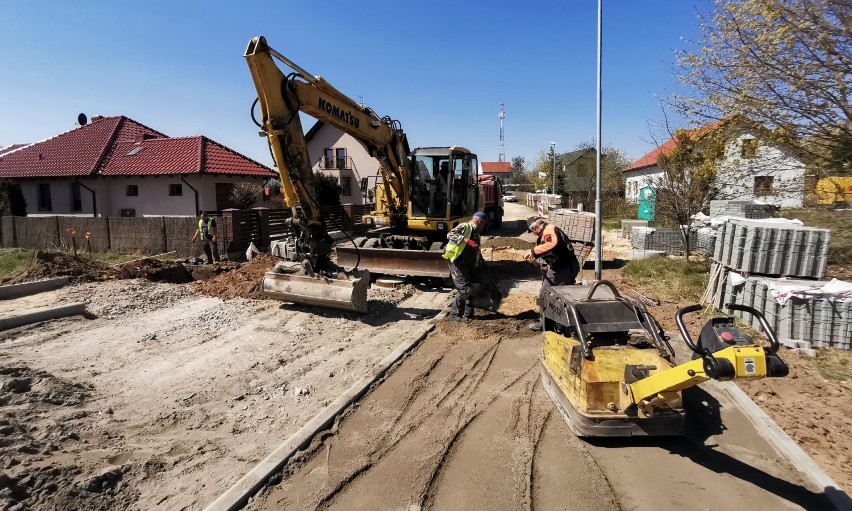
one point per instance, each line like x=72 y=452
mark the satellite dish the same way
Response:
x=82 y=119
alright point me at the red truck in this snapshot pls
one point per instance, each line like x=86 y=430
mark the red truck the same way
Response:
x=491 y=199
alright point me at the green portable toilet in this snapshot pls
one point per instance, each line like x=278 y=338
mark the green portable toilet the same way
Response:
x=647 y=203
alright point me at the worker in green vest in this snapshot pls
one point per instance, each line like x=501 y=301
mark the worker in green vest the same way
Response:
x=462 y=251
x=207 y=231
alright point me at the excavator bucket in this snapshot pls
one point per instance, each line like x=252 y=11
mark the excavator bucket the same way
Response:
x=293 y=284
x=390 y=261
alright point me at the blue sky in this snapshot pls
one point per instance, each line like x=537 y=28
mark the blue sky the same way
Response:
x=439 y=67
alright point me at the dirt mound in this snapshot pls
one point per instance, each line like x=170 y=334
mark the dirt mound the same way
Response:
x=239 y=281
x=506 y=242
x=157 y=270
x=56 y=264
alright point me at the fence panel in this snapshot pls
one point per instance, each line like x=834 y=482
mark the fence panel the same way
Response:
x=37 y=232
x=179 y=231
x=130 y=235
x=99 y=239
x=7 y=231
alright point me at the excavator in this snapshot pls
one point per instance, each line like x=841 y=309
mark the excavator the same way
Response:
x=610 y=370
x=420 y=194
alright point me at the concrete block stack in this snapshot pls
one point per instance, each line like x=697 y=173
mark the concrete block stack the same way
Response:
x=741 y=209
x=657 y=239
x=579 y=226
x=809 y=311
x=754 y=261
x=627 y=225
x=772 y=249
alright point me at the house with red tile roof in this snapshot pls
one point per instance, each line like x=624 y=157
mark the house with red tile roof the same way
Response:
x=116 y=166
x=753 y=166
x=501 y=169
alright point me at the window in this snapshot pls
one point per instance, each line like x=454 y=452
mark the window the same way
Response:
x=763 y=186
x=44 y=202
x=175 y=190
x=749 y=149
x=341 y=158
x=329 y=158
x=76 y=198
x=346 y=185
x=133 y=191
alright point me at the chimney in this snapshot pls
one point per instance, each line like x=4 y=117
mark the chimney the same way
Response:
x=97 y=118
x=141 y=137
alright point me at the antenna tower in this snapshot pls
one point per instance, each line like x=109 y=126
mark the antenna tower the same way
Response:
x=502 y=155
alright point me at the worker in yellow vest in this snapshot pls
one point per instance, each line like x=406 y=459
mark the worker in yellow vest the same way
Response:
x=462 y=251
x=207 y=231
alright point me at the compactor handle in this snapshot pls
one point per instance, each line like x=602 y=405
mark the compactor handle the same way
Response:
x=684 y=332
x=600 y=283
x=773 y=341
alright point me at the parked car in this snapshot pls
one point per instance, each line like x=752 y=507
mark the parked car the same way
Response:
x=509 y=197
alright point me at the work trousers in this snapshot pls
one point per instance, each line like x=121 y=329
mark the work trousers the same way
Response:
x=211 y=250
x=462 y=276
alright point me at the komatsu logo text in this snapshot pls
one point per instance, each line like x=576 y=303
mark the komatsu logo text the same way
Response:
x=335 y=111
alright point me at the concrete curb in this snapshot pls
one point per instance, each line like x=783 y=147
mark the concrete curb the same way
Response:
x=43 y=314
x=31 y=288
x=238 y=495
x=768 y=429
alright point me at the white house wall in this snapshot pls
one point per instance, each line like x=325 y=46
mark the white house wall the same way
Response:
x=111 y=195
x=735 y=175
x=635 y=180
x=363 y=164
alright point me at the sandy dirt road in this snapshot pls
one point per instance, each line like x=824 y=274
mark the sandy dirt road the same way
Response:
x=464 y=423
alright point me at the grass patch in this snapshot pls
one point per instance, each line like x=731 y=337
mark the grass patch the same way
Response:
x=840 y=251
x=14 y=260
x=834 y=364
x=609 y=224
x=673 y=280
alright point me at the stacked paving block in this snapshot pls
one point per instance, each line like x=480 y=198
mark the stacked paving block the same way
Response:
x=704 y=240
x=656 y=239
x=772 y=249
x=819 y=320
x=741 y=209
x=753 y=258
x=627 y=225
x=579 y=226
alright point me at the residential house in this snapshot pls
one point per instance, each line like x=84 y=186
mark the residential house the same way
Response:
x=753 y=167
x=341 y=155
x=116 y=166
x=501 y=169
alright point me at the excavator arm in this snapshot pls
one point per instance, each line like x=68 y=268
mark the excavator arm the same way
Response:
x=281 y=98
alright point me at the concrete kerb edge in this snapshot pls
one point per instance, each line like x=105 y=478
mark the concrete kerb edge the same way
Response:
x=237 y=496
x=31 y=288
x=772 y=433
x=44 y=314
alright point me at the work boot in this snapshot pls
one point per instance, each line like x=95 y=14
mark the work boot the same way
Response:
x=458 y=319
x=536 y=327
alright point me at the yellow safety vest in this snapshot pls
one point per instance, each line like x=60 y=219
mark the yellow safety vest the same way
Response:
x=209 y=228
x=452 y=250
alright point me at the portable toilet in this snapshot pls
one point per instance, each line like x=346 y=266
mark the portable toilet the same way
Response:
x=647 y=203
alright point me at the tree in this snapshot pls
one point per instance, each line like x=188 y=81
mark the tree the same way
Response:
x=519 y=173
x=12 y=200
x=687 y=182
x=613 y=163
x=784 y=64
x=244 y=195
x=327 y=189
x=541 y=176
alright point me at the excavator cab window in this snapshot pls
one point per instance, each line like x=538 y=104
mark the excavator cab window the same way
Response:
x=429 y=186
x=464 y=193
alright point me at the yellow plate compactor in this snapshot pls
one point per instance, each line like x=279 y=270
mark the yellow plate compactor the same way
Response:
x=610 y=370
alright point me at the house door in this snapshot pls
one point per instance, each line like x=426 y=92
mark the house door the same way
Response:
x=223 y=196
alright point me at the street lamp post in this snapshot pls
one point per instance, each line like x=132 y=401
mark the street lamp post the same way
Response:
x=553 y=157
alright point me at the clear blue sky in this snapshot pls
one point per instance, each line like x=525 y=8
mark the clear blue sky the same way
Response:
x=439 y=67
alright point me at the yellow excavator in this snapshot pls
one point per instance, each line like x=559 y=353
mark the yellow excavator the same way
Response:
x=420 y=194
x=610 y=370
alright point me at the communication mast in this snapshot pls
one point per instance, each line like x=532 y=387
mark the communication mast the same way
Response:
x=502 y=156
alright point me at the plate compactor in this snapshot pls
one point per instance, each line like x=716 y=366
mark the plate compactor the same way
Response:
x=610 y=370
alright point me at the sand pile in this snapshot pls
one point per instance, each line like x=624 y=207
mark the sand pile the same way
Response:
x=506 y=242
x=241 y=281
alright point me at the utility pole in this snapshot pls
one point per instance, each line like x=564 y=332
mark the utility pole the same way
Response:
x=502 y=155
x=598 y=204
x=553 y=157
